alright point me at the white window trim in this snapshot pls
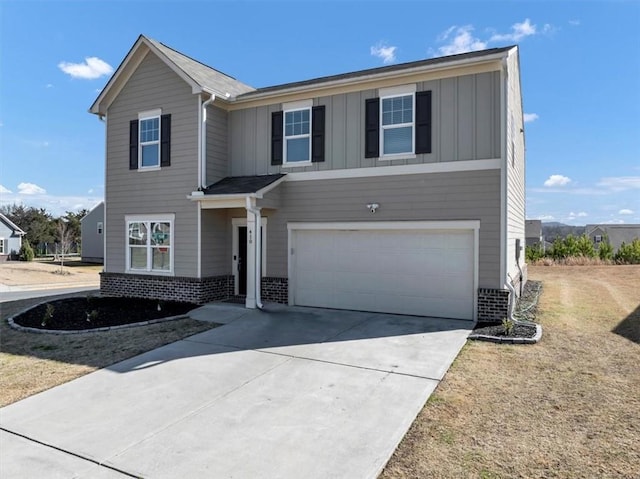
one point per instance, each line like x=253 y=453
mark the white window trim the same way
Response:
x=150 y=115
x=405 y=154
x=289 y=107
x=99 y=227
x=152 y=218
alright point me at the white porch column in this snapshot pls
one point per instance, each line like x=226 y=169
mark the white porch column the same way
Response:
x=250 y=301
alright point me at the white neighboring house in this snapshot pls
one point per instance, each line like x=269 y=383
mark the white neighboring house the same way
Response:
x=10 y=238
x=92 y=231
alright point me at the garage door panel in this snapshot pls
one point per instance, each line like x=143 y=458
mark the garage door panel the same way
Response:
x=418 y=272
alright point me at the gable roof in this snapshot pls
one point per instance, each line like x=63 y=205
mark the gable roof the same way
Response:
x=11 y=225
x=201 y=78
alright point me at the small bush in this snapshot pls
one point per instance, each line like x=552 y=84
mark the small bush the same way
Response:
x=26 y=252
x=629 y=253
x=533 y=253
x=605 y=250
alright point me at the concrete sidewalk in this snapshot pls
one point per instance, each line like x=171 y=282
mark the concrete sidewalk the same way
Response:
x=295 y=392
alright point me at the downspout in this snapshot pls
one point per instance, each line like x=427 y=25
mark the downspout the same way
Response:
x=258 y=247
x=512 y=295
x=103 y=119
x=203 y=142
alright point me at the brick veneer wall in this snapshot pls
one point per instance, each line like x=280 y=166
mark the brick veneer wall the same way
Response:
x=274 y=289
x=174 y=288
x=493 y=304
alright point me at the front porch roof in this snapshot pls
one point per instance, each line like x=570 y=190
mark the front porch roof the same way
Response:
x=232 y=191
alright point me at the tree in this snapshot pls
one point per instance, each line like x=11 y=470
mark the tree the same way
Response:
x=35 y=222
x=64 y=240
x=74 y=225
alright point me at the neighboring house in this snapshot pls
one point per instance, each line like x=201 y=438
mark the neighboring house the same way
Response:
x=617 y=234
x=92 y=231
x=10 y=239
x=533 y=233
x=396 y=189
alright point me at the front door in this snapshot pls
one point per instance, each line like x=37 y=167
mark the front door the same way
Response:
x=242 y=260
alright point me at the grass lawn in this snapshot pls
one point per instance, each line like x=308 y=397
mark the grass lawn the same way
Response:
x=566 y=407
x=30 y=363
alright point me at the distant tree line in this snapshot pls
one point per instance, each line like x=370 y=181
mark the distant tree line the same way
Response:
x=572 y=249
x=46 y=234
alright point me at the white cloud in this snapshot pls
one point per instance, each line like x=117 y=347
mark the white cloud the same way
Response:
x=620 y=183
x=582 y=214
x=49 y=85
x=557 y=180
x=529 y=117
x=90 y=69
x=30 y=189
x=518 y=32
x=4 y=190
x=625 y=211
x=575 y=23
x=546 y=217
x=462 y=41
x=386 y=53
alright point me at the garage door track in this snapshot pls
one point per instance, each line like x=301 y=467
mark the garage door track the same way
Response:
x=284 y=393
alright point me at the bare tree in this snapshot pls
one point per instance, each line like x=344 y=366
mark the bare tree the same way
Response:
x=64 y=238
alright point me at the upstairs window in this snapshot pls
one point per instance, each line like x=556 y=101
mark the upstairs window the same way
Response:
x=99 y=227
x=149 y=146
x=397 y=125
x=297 y=136
x=150 y=141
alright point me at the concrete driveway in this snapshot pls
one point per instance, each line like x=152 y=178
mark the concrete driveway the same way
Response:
x=287 y=393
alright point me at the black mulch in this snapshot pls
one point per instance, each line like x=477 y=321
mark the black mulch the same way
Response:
x=98 y=312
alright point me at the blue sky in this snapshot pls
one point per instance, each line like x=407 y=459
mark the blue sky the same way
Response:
x=580 y=65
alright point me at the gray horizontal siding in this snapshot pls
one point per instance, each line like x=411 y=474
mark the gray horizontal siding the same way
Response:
x=471 y=195
x=466 y=126
x=153 y=85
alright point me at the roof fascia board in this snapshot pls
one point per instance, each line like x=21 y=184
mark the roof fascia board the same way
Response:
x=367 y=82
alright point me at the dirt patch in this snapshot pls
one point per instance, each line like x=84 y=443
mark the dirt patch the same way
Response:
x=565 y=407
x=46 y=273
x=92 y=312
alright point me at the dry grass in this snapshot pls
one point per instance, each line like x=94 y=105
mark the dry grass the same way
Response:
x=567 y=407
x=31 y=362
x=34 y=273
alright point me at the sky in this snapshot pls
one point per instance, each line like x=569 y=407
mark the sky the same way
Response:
x=580 y=69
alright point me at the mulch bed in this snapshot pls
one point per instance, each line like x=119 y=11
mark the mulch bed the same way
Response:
x=98 y=312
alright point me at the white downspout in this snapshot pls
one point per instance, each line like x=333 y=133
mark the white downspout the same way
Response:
x=203 y=143
x=103 y=119
x=258 y=250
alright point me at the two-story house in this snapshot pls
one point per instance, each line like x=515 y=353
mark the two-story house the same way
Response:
x=397 y=189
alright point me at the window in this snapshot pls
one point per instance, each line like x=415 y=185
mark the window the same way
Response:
x=3 y=248
x=149 y=244
x=597 y=239
x=397 y=125
x=100 y=227
x=150 y=141
x=149 y=144
x=297 y=136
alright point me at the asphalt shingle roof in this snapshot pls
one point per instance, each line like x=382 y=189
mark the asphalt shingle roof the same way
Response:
x=241 y=184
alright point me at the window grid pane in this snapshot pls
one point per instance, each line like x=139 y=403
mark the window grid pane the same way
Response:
x=398 y=140
x=298 y=150
x=397 y=110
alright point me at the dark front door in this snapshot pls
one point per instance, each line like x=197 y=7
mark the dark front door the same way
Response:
x=242 y=260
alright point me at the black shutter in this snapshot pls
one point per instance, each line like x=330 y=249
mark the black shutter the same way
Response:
x=165 y=140
x=423 y=122
x=317 y=134
x=372 y=128
x=133 y=145
x=276 y=137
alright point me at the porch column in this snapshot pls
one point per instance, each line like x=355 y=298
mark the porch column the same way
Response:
x=250 y=301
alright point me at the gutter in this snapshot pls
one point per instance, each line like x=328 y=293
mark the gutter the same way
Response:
x=202 y=151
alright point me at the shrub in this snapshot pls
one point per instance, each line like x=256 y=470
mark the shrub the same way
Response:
x=533 y=253
x=26 y=252
x=584 y=247
x=629 y=253
x=605 y=250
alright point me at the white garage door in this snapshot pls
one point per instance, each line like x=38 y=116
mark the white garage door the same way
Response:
x=418 y=272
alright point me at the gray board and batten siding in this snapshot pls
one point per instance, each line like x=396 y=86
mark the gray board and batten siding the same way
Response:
x=128 y=192
x=466 y=126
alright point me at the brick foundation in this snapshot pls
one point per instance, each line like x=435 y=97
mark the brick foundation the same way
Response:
x=174 y=288
x=274 y=289
x=493 y=304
